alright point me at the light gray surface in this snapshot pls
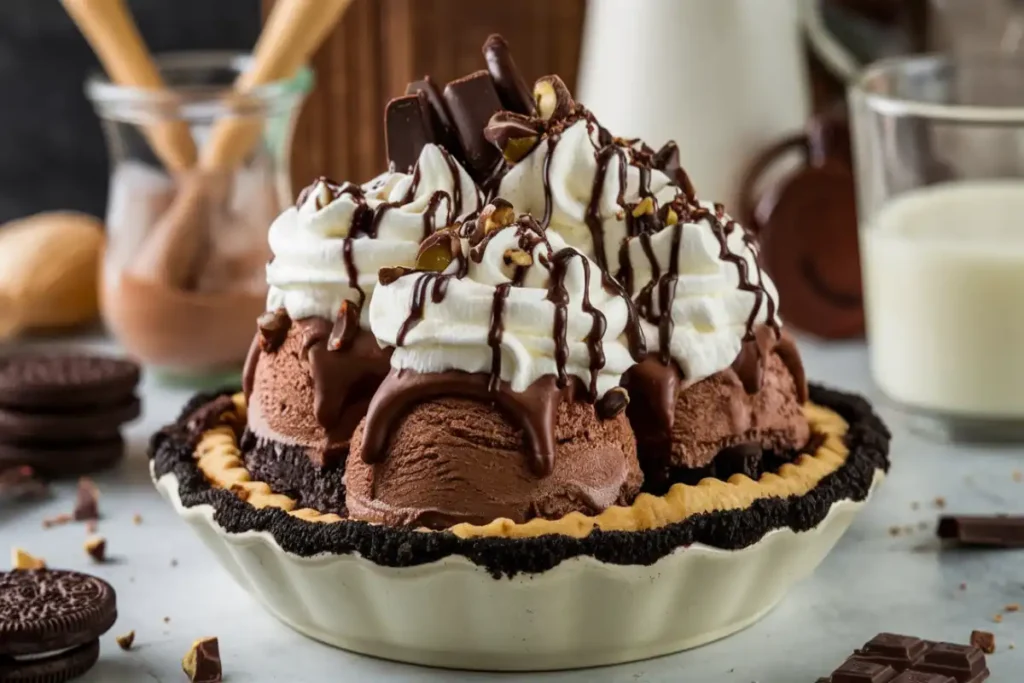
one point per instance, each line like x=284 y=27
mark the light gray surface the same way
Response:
x=871 y=582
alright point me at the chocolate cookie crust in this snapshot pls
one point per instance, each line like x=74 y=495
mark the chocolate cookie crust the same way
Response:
x=867 y=440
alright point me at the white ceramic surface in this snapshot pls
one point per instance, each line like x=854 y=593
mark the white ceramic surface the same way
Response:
x=582 y=612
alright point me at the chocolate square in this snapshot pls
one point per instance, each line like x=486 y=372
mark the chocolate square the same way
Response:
x=408 y=124
x=472 y=100
x=898 y=651
x=856 y=671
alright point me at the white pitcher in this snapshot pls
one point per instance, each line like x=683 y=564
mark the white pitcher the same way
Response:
x=724 y=78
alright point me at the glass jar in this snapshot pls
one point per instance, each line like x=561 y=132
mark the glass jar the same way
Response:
x=939 y=144
x=198 y=173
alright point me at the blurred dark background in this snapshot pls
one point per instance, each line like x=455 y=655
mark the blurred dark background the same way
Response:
x=52 y=152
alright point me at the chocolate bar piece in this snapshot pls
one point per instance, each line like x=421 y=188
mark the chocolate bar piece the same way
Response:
x=891 y=658
x=440 y=118
x=994 y=531
x=472 y=100
x=509 y=82
x=408 y=125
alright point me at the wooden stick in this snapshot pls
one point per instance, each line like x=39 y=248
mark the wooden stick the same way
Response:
x=114 y=37
x=293 y=32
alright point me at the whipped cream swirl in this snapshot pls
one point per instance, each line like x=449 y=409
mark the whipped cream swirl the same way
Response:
x=579 y=183
x=495 y=311
x=331 y=245
x=699 y=290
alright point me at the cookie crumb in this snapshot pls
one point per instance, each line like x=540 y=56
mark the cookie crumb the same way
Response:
x=96 y=547
x=174 y=562
x=894 y=530
x=1011 y=646
x=125 y=640
x=984 y=641
x=57 y=520
x=87 y=502
x=167 y=620
x=1012 y=607
x=963 y=586
x=22 y=560
x=136 y=519
x=940 y=502
x=1018 y=476
x=914 y=505
x=202 y=662
x=998 y=618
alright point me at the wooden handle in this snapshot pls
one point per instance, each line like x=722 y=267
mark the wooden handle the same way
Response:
x=293 y=32
x=114 y=37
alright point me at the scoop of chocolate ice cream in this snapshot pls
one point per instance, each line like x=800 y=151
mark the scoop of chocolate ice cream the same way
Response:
x=453 y=460
x=713 y=414
x=304 y=393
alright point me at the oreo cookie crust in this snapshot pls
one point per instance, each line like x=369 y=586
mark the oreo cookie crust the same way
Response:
x=171 y=451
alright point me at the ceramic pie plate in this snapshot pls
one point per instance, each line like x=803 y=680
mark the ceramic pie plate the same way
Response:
x=514 y=597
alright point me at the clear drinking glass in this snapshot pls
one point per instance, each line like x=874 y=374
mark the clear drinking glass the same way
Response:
x=939 y=149
x=198 y=172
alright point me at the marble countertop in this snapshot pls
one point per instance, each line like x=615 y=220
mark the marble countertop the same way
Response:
x=171 y=590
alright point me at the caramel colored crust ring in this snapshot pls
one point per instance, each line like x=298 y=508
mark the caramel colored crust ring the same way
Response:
x=222 y=463
x=172 y=451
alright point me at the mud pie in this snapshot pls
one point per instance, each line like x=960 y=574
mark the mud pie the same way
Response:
x=577 y=383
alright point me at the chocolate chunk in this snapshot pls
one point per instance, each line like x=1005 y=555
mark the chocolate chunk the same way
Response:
x=854 y=671
x=965 y=663
x=512 y=89
x=96 y=548
x=666 y=160
x=440 y=118
x=895 y=650
x=125 y=640
x=514 y=134
x=472 y=101
x=922 y=677
x=346 y=326
x=202 y=662
x=273 y=328
x=612 y=403
x=87 y=501
x=408 y=121
x=994 y=531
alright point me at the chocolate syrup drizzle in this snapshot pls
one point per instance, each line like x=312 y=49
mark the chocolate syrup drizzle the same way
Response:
x=534 y=409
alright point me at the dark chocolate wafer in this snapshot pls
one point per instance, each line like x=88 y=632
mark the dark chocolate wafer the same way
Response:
x=991 y=531
x=64 y=460
x=52 y=382
x=47 y=610
x=103 y=423
x=409 y=121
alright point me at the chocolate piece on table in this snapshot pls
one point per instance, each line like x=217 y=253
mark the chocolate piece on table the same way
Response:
x=995 y=531
x=408 y=125
x=87 y=501
x=440 y=118
x=891 y=658
x=472 y=101
x=202 y=662
x=512 y=89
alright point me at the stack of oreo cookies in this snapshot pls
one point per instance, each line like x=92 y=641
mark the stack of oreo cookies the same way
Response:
x=62 y=414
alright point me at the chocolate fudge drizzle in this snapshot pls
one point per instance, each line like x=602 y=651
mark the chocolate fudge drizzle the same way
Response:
x=536 y=408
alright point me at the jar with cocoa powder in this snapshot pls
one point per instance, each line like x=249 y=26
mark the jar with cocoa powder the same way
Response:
x=198 y=173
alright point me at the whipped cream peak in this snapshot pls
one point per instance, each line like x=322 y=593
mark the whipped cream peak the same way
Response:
x=515 y=302
x=330 y=246
x=700 y=291
x=588 y=186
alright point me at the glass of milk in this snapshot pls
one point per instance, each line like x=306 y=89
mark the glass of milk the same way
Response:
x=939 y=147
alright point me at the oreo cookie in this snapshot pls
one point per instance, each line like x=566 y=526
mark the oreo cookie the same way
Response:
x=50 y=624
x=62 y=414
x=55 y=460
x=55 y=382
